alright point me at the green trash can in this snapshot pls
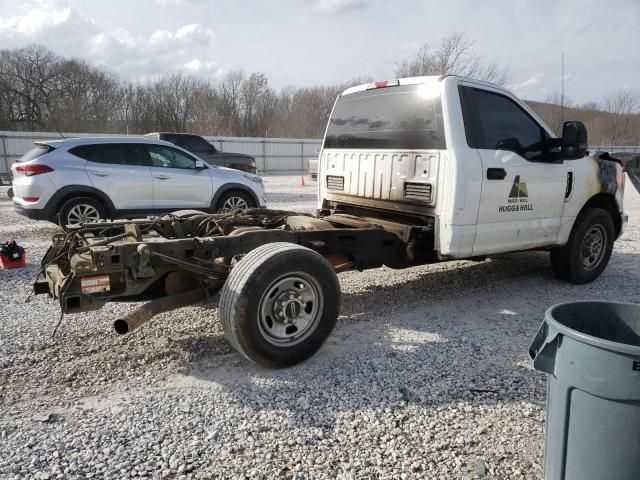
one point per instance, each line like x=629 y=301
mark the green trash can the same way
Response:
x=591 y=353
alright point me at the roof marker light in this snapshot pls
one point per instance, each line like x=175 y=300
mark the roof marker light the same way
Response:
x=383 y=84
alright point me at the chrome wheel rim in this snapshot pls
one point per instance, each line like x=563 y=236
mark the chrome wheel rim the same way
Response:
x=233 y=203
x=290 y=309
x=82 y=213
x=593 y=247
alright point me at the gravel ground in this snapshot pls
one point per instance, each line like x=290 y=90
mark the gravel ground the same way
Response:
x=425 y=376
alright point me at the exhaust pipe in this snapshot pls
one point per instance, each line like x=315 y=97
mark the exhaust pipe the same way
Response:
x=146 y=312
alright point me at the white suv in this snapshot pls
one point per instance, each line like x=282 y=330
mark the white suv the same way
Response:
x=80 y=180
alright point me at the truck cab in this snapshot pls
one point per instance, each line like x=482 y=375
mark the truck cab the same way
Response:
x=473 y=160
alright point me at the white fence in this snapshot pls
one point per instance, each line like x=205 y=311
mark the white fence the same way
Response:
x=615 y=148
x=273 y=155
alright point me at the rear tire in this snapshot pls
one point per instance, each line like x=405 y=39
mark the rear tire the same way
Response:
x=80 y=210
x=587 y=253
x=234 y=199
x=279 y=304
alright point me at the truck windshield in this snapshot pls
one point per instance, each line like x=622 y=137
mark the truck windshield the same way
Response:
x=407 y=117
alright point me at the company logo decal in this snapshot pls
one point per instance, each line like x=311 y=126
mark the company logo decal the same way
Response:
x=518 y=200
x=519 y=189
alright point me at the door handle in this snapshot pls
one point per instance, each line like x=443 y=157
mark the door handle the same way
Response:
x=161 y=177
x=99 y=174
x=496 y=173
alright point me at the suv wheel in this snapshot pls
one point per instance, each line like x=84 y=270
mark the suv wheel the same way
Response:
x=80 y=210
x=234 y=199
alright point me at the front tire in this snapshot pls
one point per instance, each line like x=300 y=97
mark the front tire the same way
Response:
x=587 y=253
x=279 y=304
x=233 y=200
x=80 y=210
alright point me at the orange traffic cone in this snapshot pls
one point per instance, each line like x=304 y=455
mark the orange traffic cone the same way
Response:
x=302 y=181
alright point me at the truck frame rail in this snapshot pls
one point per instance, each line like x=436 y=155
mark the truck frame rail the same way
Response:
x=135 y=260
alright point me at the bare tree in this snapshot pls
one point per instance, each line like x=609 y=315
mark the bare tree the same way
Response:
x=88 y=98
x=454 y=56
x=551 y=110
x=207 y=118
x=620 y=106
x=257 y=101
x=172 y=101
x=29 y=76
x=40 y=90
x=229 y=92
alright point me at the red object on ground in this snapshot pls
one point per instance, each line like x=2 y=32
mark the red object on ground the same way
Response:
x=12 y=255
x=6 y=262
x=302 y=181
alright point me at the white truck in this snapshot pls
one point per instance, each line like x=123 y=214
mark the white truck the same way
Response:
x=412 y=171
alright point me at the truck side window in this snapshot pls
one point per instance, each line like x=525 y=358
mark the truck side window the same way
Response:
x=501 y=124
x=195 y=144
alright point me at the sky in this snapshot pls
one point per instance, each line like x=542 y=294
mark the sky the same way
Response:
x=322 y=42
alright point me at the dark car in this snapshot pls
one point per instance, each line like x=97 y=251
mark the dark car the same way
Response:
x=630 y=159
x=5 y=179
x=207 y=152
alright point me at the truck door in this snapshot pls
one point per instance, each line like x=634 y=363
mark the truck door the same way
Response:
x=523 y=182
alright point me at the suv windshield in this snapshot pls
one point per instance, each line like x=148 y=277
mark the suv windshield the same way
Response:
x=406 y=117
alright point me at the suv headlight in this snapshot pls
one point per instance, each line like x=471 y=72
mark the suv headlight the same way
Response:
x=253 y=178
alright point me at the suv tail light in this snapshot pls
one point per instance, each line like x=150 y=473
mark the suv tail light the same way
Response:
x=35 y=169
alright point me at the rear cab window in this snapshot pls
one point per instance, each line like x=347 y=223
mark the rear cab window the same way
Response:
x=406 y=117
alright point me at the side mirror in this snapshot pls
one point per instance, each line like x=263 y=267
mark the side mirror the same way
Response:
x=200 y=165
x=574 y=140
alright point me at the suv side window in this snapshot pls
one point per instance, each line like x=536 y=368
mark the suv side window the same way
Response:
x=498 y=123
x=113 y=153
x=167 y=157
